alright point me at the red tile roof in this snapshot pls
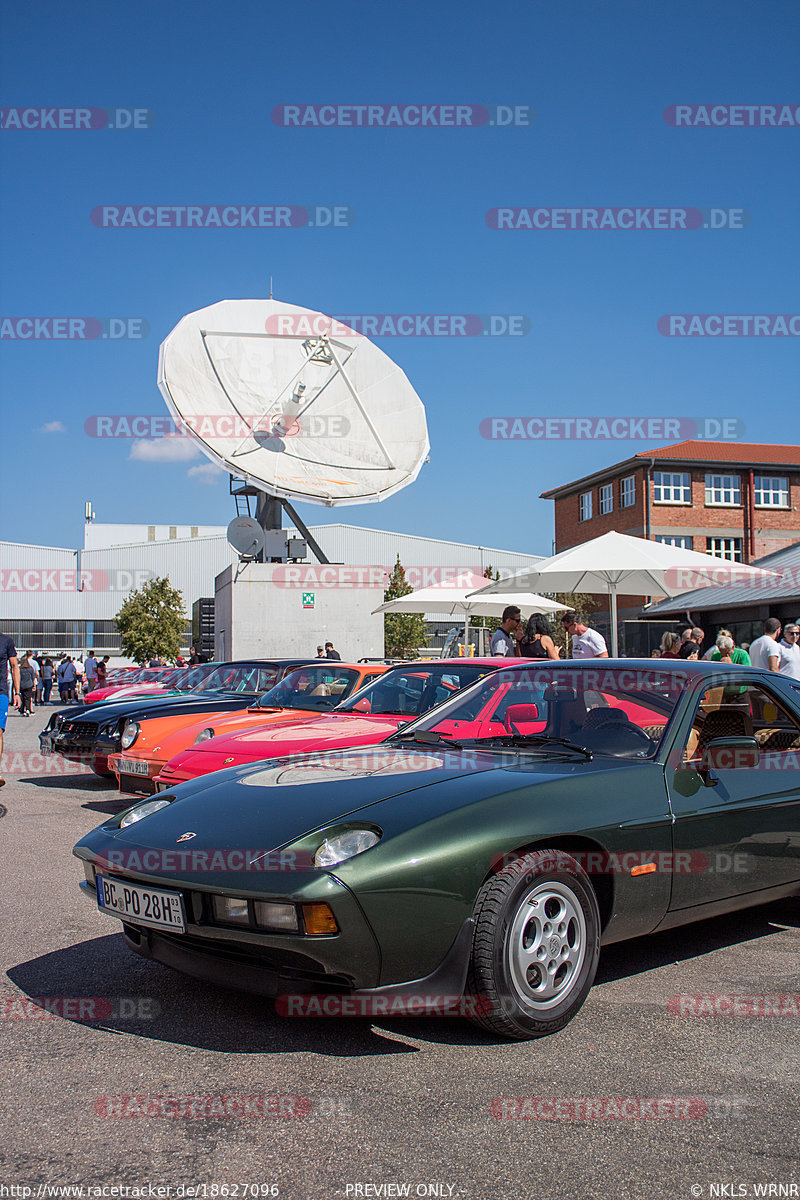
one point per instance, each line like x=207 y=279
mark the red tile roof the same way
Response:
x=728 y=452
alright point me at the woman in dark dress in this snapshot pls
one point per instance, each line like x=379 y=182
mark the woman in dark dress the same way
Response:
x=537 y=642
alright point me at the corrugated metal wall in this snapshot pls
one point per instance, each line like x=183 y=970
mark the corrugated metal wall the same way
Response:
x=41 y=582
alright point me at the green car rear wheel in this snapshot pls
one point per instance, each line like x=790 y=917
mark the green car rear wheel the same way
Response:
x=536 y=945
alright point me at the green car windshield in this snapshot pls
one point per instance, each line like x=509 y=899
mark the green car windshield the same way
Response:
x=617 y=711
x=412 y=690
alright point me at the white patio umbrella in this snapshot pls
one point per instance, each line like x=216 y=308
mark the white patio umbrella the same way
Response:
x=462 y=597
x=618 y=563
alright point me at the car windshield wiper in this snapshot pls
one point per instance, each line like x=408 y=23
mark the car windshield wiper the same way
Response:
x=538 y=741
x=425 y=737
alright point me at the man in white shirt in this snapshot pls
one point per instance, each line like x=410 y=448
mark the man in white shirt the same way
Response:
x=789 y=647
x=90 y=667
x=764 y=652
x=586 y=642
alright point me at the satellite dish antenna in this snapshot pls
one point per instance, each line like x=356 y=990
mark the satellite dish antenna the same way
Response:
x=246 y=537
x=294 y=403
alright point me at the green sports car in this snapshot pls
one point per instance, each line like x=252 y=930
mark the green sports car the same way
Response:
x=480 y=855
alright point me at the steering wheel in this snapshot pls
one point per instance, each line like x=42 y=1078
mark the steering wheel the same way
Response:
x=617 y=739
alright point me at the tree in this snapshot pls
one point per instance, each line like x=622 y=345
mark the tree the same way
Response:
x=580 y=603
x=152 y=622
x=403 y=633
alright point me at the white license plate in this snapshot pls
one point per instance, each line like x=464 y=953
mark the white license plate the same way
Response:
x=141 y=905
x=132 y=766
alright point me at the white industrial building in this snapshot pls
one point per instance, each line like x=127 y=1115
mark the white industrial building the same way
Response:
x=64 y=601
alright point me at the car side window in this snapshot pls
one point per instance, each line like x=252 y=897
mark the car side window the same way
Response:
x=743 y=711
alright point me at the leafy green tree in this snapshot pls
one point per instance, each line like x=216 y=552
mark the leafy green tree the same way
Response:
x=581 y=603
x=403 y=633
x=490 y=624
x=151 y=622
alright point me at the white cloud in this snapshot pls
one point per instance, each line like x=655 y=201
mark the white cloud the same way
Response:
x=172 y=449
x=52 y=427
x=205 y=473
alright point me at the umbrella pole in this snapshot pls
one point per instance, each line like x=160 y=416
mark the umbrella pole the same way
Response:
x=466 y=633
x=614 y=645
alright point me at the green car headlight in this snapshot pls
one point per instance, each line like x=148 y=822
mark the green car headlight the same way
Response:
x=204 y=735
x=130 y=733
x=143 y=810
x=345 y=845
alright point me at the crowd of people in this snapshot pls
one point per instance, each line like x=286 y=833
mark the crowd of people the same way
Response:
x=778 y=648
x=72 y=677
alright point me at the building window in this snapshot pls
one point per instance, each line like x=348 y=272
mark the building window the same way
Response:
x=670 y=487
x=586 y=506
x=682 y=543
x=727 y=548
x=627 y=491
x=607 y=498
x=723 y=490
x=771 y=491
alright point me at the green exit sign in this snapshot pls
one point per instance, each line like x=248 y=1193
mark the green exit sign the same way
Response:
x=308 y=599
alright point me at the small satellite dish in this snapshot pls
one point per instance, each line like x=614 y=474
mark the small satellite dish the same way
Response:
x=293 y=402
x=246 y=537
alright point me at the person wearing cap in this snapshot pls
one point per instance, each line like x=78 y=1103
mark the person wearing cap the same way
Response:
x=320 y=651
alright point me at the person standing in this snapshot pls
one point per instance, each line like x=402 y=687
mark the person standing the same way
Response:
x=69 y=677
x=48 y=671
x=320 y=651
x=8 y=660
x=331 y=653
x=586 y=642
x=764 y=651
x=789 y=646
x=670 y=645
x=27 y=684
x=90 y=668
x=80 y=677
x=537 y=641
x=34 y=666
x=504 y=643
x=739 y=657
x=102 y=672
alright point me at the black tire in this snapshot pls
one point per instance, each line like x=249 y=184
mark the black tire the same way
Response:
x=520 y=995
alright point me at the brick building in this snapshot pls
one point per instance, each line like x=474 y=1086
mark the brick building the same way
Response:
x=736 y=500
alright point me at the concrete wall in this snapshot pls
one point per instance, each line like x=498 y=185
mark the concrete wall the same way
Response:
x=256 y=617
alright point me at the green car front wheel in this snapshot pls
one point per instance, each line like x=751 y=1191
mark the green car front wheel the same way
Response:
x=536 y=945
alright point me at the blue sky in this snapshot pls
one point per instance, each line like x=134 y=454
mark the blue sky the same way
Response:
x=599 y=76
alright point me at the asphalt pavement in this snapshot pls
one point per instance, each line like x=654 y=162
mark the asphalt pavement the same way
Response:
x=633 y=1099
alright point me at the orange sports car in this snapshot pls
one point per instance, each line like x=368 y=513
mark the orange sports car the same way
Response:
x=315 y=688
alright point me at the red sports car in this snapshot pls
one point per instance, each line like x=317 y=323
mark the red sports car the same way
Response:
x=396 y=697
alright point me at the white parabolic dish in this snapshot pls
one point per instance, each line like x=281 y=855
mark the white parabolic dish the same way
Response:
x=293 y=402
